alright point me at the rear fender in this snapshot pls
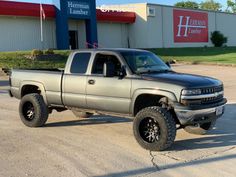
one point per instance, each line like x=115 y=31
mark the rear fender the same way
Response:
x=39 y=85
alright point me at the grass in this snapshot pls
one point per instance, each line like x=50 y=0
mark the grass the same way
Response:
x=18 y=59
x=226 y=55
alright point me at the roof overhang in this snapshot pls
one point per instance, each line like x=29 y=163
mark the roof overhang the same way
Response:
x=11 y=8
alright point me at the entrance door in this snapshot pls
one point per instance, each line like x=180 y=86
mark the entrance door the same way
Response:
x=73 y=37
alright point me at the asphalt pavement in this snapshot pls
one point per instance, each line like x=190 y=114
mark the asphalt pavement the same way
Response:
x=105 y=146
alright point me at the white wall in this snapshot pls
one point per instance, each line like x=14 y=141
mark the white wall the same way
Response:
x=112 y=35
x=226 y=23
x=23 y=33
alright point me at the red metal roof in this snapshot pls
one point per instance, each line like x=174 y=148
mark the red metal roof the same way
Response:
x=119 y=17
x=25 y=9
x=12 y=8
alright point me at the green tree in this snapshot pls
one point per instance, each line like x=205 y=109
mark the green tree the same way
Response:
x=210 y=5
x=231 y=6
x=187 y=4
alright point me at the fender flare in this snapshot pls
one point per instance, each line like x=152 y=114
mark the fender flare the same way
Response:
x=38 y=84
x=139 y=92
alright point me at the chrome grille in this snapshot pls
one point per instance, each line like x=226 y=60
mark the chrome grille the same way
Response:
x=205 y=99
x=212 y=99
x=210 y=90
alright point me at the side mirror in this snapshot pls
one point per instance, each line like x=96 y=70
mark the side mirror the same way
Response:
x=122 y=72
x=109 y=69
x=168 y=64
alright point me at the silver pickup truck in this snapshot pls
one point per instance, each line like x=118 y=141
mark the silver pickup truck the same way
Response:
x=122 y=82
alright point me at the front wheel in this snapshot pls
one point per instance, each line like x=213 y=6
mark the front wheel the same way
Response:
x=33 y=110
x=154 y=128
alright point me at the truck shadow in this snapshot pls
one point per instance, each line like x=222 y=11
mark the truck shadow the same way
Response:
x=4 y=83
x=223 y=135
x=94 y=120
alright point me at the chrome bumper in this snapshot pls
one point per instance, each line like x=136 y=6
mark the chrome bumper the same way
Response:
x=186 y=116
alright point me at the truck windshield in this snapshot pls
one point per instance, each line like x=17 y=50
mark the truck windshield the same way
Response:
x=142 y=62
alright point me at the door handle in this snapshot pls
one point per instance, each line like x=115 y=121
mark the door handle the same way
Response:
x=91 y=82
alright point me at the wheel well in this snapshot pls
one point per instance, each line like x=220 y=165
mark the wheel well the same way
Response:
x=148 y=100
x=28 y=89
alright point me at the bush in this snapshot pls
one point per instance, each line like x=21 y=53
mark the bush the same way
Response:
x=218 y=39
x=49 y=52
x=36 y=52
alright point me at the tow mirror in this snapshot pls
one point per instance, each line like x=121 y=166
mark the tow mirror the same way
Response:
x=168 y=64
x=109 y=69
x=122 y=72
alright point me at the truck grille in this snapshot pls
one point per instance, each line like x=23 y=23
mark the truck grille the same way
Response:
x=209 y=100
x=212 y=89
x=212 y=100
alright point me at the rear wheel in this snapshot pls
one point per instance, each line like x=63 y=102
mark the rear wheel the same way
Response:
x=200 y=129
x=154 y=128
x=33 y=110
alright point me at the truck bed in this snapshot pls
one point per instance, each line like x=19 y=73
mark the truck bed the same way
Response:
x=50 y=79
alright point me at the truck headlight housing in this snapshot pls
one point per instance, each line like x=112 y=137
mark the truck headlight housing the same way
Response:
x=188 y=92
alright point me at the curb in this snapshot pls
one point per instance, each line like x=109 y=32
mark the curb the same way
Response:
x=206 y=63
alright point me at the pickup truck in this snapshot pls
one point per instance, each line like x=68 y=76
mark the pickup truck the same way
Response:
x=122 y=82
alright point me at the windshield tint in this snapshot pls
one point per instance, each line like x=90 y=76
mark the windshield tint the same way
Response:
x=144 y=62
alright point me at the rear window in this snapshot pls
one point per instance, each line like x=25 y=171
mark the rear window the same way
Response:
x=80 y=63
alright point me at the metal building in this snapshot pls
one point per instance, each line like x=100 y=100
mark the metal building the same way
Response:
x=78 y=24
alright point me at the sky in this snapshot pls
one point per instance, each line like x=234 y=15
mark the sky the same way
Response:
x=104 y=2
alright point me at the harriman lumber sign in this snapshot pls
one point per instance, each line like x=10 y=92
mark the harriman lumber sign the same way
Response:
x=78 y=8
x=190 y=26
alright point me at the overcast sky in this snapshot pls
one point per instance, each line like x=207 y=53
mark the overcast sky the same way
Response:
x=103 y=2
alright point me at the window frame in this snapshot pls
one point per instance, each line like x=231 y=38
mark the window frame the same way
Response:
x=103 y=53
x=72 y=60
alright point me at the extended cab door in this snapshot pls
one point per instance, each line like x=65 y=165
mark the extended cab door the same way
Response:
x=75 y=80
x=111 y=94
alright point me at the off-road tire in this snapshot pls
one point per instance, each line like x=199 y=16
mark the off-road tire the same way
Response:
x=166 y=124
x=200 y=129
x=82 y=114
x=40 y=110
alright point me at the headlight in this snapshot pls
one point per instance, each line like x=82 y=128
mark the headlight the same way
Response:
x=191 y=92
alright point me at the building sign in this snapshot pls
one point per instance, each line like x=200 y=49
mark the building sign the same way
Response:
x=190 y=26
x=76 y=8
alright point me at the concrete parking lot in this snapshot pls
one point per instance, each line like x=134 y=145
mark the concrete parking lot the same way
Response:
x=105 y=146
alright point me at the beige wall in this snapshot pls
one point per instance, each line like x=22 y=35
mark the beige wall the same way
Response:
x=23 y=33
x=79 y=25
x=157 y=32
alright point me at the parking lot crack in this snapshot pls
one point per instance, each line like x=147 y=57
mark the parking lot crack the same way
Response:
x=152 y=161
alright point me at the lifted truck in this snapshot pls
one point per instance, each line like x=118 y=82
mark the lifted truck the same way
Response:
x=122 y=82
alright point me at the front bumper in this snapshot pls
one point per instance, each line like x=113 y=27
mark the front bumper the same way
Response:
x=204 y=114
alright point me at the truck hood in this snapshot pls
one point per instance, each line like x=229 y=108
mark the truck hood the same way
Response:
x=184 y=80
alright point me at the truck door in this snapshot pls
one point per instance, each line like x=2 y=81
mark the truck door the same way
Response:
x=109 y=94
x=75 y=81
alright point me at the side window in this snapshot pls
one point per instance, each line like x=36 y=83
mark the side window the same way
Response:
x=99 y=61
x=80 y=63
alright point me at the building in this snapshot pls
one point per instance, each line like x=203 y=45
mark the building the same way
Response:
x=78 y=24
x=75 y=24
